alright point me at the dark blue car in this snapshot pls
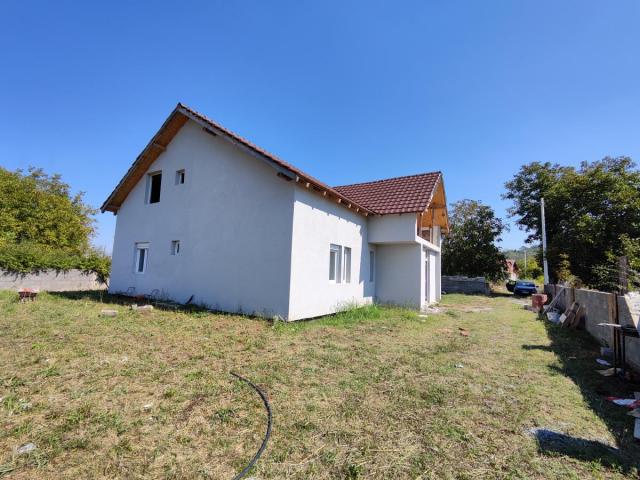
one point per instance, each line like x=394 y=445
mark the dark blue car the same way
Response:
x=525 y=288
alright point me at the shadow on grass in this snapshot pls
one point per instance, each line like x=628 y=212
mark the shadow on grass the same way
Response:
x=556 y=443
x=544 y=348
x=576 y=351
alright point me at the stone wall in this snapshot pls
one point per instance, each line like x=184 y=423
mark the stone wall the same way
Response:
x=601 y=308
x=51 y=281
x=457 y=284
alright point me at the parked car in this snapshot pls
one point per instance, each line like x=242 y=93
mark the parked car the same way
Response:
x=525 y=288
x=510 y=285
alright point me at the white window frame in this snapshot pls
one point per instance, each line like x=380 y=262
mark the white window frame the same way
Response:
x=335 y=263
x=347 y=264
x=175 y=247
x=180 y=177
x=142 y=246
x=372 y=266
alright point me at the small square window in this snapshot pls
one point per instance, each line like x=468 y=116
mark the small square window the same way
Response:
x=175 y=247
x=180 y=177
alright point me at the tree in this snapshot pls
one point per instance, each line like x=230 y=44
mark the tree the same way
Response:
x=43 y=226
x=592 y=214
x=470 y=247
x=38 y=208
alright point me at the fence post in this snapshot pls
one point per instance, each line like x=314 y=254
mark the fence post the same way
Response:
x=623 y=280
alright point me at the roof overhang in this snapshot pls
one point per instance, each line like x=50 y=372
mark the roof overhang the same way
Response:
x=169 y=129
x=436 y=212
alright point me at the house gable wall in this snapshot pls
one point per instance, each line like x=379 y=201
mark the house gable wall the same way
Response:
x=233 y=217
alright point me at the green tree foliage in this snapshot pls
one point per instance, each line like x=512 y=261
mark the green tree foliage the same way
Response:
x=43 y=226
x=470 y=247
x=533 y=270
x=592 y=215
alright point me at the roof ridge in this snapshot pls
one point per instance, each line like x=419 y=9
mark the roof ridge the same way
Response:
x=438 y=172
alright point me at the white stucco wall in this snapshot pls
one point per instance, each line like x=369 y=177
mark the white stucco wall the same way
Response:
x=233 y=217
x=399 y=277
x=393 y=228
x=318 y=223
x=432 y=282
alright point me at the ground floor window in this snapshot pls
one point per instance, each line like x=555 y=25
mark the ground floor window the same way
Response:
x=335 y=263
x=142 y=253
x=347 y=265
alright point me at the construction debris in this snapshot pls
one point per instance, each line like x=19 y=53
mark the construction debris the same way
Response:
x=603 y=362
x=25 y=294
x=109 y=313
x=553 y=316
x=463 y=332
x=573 y=316
x=26 y=448
x=609 y=372
x=142 y=308
x=632 y=403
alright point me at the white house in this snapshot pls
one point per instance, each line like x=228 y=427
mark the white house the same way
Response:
x=204 y=216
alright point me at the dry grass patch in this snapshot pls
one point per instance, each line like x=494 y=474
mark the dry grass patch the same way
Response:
x=368 y=393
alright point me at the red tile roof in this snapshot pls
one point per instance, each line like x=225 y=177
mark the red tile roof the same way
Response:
x=408 y=194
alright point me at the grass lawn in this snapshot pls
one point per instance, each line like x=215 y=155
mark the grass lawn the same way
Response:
x=370 y=393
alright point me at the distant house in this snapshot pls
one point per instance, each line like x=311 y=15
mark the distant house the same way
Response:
x=203 y=214
x=512 y=269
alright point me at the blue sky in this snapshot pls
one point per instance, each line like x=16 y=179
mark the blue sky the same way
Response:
x=347 y=91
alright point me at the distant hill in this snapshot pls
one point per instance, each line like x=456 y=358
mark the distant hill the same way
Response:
x=519 y=254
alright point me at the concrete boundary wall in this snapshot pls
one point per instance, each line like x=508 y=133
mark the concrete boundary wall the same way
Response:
x=52 y=281
x=459 y=284
x=600 y=308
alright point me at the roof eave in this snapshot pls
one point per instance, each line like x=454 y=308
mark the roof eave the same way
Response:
x=212 y=127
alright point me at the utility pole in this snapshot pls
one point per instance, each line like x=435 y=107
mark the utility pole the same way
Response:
x=545 y=267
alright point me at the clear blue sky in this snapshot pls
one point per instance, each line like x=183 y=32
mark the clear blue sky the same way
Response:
x=347 y=91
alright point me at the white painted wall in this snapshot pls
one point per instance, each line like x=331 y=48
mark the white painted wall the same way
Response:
x=254 y=243
x=317 y=223
x=399 y=277
x=233 y=217
x=393 y=228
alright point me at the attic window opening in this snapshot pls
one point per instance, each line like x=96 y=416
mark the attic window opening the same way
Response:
x=155 y=184
x=180 y=177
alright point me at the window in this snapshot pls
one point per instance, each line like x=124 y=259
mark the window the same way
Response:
x=142 y=253
x=335 y=254
x=180 y=177
x=154 y=183
x=347 y=265
x=175 y=247
x=372 y=265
